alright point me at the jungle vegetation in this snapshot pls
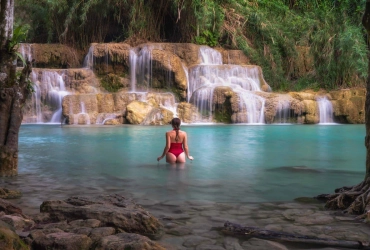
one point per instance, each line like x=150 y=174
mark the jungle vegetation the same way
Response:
x=272 y=33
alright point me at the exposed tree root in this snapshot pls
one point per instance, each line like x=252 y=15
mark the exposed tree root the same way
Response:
x=248 y=232
x=352 y=200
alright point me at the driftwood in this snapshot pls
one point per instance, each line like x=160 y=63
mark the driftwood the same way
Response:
x=238 y=230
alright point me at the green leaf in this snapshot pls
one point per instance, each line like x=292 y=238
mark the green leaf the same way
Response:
x=19 y=55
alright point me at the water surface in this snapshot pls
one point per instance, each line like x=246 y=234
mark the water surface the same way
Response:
x=233 y=163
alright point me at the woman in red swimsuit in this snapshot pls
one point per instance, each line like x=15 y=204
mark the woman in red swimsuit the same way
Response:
x=176 y=144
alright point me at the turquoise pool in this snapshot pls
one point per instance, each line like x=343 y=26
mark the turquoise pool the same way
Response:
x=233 y=163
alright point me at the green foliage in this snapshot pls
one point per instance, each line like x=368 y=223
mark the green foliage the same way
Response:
x=111 y=83
x=19 y=35
x=269 y=32
x=207 y=38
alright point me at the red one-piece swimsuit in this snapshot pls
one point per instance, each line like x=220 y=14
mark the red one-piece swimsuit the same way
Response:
x=176 y=148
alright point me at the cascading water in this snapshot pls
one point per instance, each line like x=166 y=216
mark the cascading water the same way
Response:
x=26 y=51
x=89 y=58
x=49 y=90
x=210 y=56
x=82 y=117
x=325 y=110
x=141 y=69
x=133 y=62
x=282 y=112
x=211 y=73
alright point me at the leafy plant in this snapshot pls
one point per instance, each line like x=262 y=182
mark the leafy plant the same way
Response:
x=207 y=38
x=19 y=35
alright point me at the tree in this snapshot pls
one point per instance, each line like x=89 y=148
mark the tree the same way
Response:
x=14 y=90
x=356 y=199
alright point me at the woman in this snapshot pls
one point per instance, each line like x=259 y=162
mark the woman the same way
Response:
x=176 y=144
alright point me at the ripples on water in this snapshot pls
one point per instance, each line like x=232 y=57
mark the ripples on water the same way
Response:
x=232 y=163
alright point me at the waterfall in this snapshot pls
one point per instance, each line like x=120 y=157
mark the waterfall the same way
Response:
x=282 y=111
x=210 y=56
x=26 y=51
x=36 y=98
x=141 y=69
x=243 y=80
x=103 y=117
x=89 y=58
x=252 y=104
x=82 y=117
x=133 y=62
x=49 y=91
x=325 y=110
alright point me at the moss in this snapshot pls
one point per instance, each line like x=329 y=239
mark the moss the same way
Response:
x=10 y=240
x=223 y=112
x=111 y=83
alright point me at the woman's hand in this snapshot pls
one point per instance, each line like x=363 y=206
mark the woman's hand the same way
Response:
x=191 y=158
x=159 y=158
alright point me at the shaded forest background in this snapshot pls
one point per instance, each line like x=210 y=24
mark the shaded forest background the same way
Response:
x=270 y=32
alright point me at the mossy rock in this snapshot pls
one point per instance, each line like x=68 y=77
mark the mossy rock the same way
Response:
x=9 y=239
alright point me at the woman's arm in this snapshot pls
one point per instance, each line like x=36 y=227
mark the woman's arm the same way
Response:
x=186 y=148
x=167 y=147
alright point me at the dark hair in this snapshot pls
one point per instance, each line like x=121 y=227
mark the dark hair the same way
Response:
x=176 y=122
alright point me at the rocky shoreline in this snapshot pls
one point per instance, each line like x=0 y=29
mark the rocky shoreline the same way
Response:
x=117 y=222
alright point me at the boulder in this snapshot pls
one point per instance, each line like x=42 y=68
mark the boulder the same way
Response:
x=112 y=211
x=62 y=241
x=8 y=208
x=9 y=194
x=187 y=112
x=137 y=111
x=123 y=241
x=311 y=112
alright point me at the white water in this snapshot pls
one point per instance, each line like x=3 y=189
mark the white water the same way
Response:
x=325 y=110
x=282 y=112
x=89 y=58
x=26 y=51
x=210 y=56
x=82 y=115
x=133 y=62
x=211 y=73
x=141 y=69
x=49 y=90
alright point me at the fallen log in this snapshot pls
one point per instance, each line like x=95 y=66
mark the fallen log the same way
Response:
x=238 y=230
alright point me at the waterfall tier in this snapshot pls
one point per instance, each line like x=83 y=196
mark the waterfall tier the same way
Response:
x=206 y=84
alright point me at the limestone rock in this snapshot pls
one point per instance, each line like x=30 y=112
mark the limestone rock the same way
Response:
x=9 y=194
x=233 y=57
x=53 y=55
x=9 y=208
x=187 y=112
x=158 y=116
x=62 y=240
x=123 y=241
x=17 y=222
x=112 y=210
x=349 y=105
x=137 y=111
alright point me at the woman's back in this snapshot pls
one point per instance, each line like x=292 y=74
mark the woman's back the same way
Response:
x=180 y=138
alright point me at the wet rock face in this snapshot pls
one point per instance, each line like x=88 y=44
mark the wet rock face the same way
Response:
x=52 y=55
x=349 y=105
x=118 y=108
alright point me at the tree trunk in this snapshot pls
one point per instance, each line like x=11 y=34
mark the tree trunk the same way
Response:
x=13 y=93
x=366 y=24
